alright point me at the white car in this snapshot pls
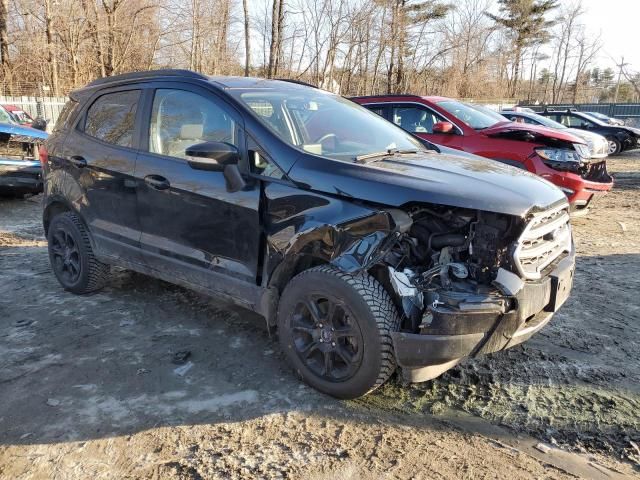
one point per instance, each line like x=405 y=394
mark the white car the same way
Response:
x=598 y=145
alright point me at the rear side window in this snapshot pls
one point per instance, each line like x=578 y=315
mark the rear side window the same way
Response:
x=66 y=115
x=112 y=116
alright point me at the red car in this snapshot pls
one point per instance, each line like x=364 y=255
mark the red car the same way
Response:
x=18 y=115
x=561 y=158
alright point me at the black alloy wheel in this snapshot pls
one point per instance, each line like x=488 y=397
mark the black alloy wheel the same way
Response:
x=71 y=255
x=65 y=256
x=335 y=329
x=326 y=338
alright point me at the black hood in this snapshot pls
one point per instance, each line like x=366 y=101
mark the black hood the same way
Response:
x=430 y=177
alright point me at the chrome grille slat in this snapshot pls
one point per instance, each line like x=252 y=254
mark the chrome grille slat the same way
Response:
x=544 y=239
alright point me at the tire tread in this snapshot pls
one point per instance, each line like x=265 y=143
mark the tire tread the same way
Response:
x=98 y=273
x=381 y=306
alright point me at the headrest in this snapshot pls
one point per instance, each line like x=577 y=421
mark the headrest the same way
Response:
x=191 y=131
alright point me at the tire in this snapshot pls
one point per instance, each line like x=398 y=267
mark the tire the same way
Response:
x=356 y=336
x=614 y=146
x=71 y=256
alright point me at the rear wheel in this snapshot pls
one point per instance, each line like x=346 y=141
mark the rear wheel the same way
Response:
x=71 y=256
x=335 y=330
x=614 y=146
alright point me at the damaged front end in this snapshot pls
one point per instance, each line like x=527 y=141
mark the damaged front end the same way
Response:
x=465 y=281
x=471 y=282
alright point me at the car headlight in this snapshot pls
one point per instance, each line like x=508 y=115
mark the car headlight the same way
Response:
x=562 y=154
x=565 y=160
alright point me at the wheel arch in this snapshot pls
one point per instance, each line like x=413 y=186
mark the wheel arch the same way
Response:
x=55 y=206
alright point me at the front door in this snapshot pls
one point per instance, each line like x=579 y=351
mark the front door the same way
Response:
x=419 y=120
x=192 y=227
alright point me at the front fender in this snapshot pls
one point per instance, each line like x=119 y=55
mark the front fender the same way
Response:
x=307 y=225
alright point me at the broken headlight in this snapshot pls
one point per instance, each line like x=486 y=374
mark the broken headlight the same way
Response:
x=565 y=160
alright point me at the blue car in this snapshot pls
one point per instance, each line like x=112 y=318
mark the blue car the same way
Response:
x=20 y=169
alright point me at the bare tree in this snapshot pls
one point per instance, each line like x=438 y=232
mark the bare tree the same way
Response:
x=247 y=39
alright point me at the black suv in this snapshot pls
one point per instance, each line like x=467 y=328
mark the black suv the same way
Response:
x=620 y=138
x=365 y=249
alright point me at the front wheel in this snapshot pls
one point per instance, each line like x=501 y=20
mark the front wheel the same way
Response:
x=335 y=330
x=614 y=146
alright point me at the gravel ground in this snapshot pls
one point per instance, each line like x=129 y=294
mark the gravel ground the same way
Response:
x=88 y=387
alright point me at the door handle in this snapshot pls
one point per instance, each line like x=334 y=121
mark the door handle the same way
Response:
x=156 y=181
x=78 y=161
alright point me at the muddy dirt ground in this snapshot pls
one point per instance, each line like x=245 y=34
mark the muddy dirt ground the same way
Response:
x=88 y=388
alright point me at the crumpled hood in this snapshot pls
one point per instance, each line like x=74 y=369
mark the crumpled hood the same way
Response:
x=22 y=131
x=537 y=133
x=635 y=131
x=430 y=177
x=586 y=135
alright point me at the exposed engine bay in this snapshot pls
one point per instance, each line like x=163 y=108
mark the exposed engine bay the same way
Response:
x=446 y=255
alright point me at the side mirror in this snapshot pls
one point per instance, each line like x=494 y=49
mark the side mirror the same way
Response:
x=442 y=127
x=212 y=155
x=218 y=157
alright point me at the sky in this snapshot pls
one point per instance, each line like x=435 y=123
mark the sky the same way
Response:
x=619 y=22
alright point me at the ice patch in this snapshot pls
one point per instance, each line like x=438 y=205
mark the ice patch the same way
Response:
x=216 y=403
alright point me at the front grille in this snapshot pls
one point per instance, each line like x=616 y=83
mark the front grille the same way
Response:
x=546 y=237
x=598 y=173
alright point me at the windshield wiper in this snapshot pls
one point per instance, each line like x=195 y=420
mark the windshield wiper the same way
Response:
x=386 y=153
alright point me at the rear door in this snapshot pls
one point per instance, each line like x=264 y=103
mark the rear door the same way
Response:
x=191 y=225
x=99 y=153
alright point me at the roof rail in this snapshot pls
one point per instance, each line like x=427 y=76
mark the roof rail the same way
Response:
x=148 y=74
x=408 y=95
x=298 y=82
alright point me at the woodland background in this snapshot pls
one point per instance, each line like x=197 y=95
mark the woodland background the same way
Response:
x=528 y=50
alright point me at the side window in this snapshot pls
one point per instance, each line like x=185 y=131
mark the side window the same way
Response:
x=519 y=119
x=65 y=116
x=415 y=119
x=376 y=109
x=112 y=116
x=180 y=119
x=574 y=121
x=260 y=163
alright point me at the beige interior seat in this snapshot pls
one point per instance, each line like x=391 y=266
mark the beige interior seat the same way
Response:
x=190 y=134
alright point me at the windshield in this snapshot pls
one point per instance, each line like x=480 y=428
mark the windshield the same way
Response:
x=325 y=124
x=492 y=113
x=477 y=117
x=5 y=117
x=600 y=116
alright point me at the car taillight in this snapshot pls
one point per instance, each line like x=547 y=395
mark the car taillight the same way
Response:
x=43 y=156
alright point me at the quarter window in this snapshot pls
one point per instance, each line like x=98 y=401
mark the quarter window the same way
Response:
x=180 y=119
x=415 y=119
x=111 y=118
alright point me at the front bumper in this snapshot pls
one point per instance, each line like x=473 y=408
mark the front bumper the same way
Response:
x=580 y=190
x=20 y=175
x=455 y=333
